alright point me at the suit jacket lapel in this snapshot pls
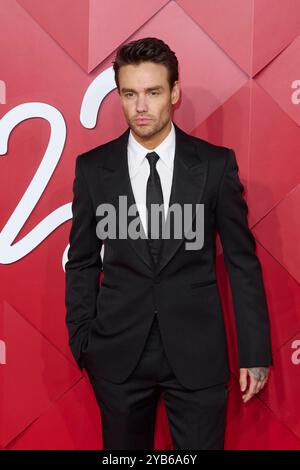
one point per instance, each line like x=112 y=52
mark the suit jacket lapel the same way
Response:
x=189 y=176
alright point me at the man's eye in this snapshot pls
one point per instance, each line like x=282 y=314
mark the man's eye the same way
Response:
x=130 y=94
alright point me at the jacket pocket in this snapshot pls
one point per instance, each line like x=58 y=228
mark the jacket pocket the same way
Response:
x=109 y=286
x=196 y=284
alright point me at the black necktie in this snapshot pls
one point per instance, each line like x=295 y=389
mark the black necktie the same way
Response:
x=154 y=195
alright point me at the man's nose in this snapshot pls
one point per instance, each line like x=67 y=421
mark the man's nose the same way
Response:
x=141 y=104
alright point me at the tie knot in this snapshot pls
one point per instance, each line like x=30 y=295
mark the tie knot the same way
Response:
x=152 y=158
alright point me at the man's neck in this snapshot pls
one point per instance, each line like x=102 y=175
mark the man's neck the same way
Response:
x=153 y=141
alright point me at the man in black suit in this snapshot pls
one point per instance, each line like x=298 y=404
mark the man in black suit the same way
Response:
x=155 y=324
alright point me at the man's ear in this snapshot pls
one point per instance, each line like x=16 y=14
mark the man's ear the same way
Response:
x=175 y=94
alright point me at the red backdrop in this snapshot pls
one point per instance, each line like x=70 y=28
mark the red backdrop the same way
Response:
x=239 y=71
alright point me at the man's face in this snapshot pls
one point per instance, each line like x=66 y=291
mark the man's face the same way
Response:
x=145 y=93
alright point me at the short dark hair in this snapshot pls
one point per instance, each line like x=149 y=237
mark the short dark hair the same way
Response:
x=147 y=50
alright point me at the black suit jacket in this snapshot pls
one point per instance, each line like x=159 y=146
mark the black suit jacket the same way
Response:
x=108 y=324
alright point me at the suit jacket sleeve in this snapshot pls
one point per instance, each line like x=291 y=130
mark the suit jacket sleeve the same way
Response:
x=83 y=266
x=244 y=270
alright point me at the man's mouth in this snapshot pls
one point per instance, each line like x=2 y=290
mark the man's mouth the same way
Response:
x=142 y=121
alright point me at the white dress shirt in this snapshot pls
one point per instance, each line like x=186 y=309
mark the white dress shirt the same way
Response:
x=139 y=170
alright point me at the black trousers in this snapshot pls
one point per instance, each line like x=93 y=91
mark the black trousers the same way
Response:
x=128 y=410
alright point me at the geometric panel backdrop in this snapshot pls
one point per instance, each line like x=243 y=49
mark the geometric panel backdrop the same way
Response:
x=239 y=72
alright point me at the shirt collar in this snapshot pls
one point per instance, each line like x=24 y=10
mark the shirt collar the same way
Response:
x=137 y=152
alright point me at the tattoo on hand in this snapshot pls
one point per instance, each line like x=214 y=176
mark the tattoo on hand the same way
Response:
x=259 y=373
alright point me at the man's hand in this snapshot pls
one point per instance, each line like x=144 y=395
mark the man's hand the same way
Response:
x=258 y=378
